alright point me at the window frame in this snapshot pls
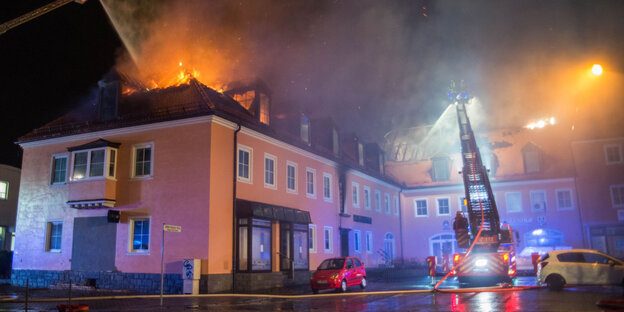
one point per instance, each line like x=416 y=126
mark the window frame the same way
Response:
x=136 y=147
x=559 y=208
x=357 y=241
x=5 y=196
x=532 y=195
x=367 y=198
x=312 y=248
x=272 y=158
x=48 y=237
x=131 y=221
x=288 y=189
x=355 y=194
x=369 y=242
x=387 y=208
x=249 y=150
x=313 y=174
x=460 y=201
x=619 y=149
x=416 y=214
x=105 y=170
x=53 y=168
x=329 y=187
x=613 y=203
x=438 y=213
x=378 y=201
x=397 y=207
x=328 y=239
x=507 y=194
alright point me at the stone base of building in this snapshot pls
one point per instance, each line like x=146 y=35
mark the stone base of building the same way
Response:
x=140 y=282
x=215 y=283
x=251 y=282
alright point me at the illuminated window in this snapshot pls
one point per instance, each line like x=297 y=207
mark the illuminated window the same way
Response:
x=538 y=201
x=357 y=241
x=312 y=237
x=139 y=235
x=264 y=109
x=444 y=207
x=245 y=99
x=617 y=196
x=244 y=164
x=94 y=163
x=513 y=201
x=327 y=187
x=377 y=201
x=420 y=207
x=54 y=233
x=310 y=182
x=387 y=203
x=4 y=189
x=440 y=169
x=291 y=177
x=564 y=200
x=254 y=245
x=269 y=171
x=613 y=154
x=369 y=242
x=142 y=160
x=355 y=194
x=327 y=239
x=367 y=200
x=59 y=169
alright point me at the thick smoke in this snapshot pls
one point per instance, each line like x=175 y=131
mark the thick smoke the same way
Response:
x=377 y=66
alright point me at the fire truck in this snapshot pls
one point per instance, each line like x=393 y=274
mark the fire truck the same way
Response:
x=490 y=256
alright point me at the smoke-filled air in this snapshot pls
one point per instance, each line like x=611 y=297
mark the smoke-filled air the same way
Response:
x=382 y=67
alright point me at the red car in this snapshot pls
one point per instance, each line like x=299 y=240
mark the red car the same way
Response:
x=338 y=273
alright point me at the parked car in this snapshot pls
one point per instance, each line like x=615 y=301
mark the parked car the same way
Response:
x=579 y=267
x=338 y=273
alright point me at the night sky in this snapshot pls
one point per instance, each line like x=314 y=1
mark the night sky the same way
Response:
x=383 y=64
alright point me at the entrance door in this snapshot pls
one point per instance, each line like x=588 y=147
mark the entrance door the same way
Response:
x=285 y=243
x=389 y=248
x=344 y=242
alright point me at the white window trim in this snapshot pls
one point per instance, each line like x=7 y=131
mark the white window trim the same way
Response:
x=507 y=194
x=314 y=242
x=387 y=207
x=355 y=203
x=377 y=203
x=48 y=236
x=416 y=215
x=88 y=169
x=367 y=206
x=313 y=171
x=357 y=241
x=619 y=147
x=52 y=171
x=397 y=206
x=437 y=200
x=611 y=187
x=460 y=201
x=6 y=194
x=250 y=151
x=571 y=199
x=369 y=238
x=331 y=183
x=274 y=158
x=131 y=221
x=294 y=165
x=331 y=242
x=133 y=175
x=531 y=196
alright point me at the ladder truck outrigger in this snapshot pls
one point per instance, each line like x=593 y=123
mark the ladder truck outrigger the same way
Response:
x=490 y=256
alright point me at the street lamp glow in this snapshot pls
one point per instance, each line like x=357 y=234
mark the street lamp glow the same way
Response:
x=596 y=70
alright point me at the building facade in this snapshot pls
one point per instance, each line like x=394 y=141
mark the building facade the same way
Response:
x=9 y=190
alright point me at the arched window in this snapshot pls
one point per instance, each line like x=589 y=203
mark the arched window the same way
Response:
x=442 y=244
x=389 y=248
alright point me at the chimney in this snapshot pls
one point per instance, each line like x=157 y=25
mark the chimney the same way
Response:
x=374 y=157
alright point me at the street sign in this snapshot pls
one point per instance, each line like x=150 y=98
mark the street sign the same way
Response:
x=172 y=228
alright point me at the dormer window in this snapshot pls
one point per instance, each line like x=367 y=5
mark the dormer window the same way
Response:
x=532 y=157
x=305 y=129
x=360 y=154
x=336 y=142
x=94 y=160
x=264 y=109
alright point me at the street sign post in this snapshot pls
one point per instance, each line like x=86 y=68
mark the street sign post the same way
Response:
x=166 y=228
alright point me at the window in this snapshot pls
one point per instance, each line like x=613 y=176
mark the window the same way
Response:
x=513 y=201
x=531 y=155
x=264 y=109
x=312 y=237
x=254 y=244
x=396 y=206
x=420 y=207
x=369 y=242
x=92 y=163
x=444 y=208
x=613 y=154
x=291 y=177
x=305 y=129
x=357 y=241
x=244 y=164
x=387 y=203
x=440 y=169
x=310 y=182
x=360 y=154
x=617 y=196
x=336 y=142
x=367 y=201
x=564 y=200
x=538 y=201
x=139 y=235
x=54 y=231
x=571 y=257
x=269 y=171
x=377 y=201
x=355 y=194
x=463 y=204
x=327 y=239
x=142 y=160
x=300 y=247
x=4 y=189
x=59 y=169
x=327 y=186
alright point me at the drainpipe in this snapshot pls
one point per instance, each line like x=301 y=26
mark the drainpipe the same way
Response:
x=586 y=235
x=234 y=179
x=401 y=225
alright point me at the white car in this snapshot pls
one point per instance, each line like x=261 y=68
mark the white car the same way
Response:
x=579 y=267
